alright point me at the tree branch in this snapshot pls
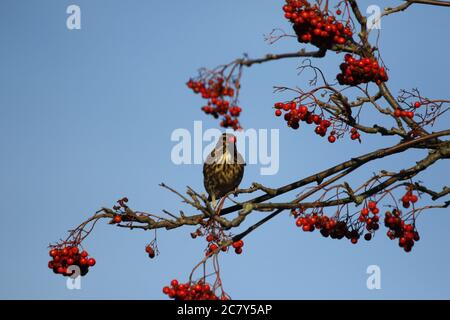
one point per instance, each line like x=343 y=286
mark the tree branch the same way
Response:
x=355 y=162
x=431 y=2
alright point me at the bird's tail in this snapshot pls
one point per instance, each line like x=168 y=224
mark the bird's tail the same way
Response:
x=213 y=200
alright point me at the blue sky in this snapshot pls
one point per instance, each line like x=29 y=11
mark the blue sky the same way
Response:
x=86 y=117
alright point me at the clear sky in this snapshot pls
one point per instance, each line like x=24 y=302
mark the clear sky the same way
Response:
x=86 y=117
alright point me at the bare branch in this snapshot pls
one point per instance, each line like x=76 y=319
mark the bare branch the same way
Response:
x=431 y=2
x=434 y=195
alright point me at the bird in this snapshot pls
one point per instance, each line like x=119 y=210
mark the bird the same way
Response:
x=223 y=169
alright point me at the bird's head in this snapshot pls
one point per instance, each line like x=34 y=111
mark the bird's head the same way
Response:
x=226 y=151
x=226 y=145
x=227 y=141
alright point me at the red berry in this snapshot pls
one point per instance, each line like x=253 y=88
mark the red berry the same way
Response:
x=316 y=119
x=148 y=249
x=331 y=138
x=151 y=252
x=293 y=105
x=174 y=283
x=303 y=109
x=91 y=262
x=210 y=238
x=306 y=227
x=372 y=205
x=238 y=244
x=417 y=104
x=117 y=219
x=278 y=113
x=198 y=287
x=325 y=123
x=181 y=294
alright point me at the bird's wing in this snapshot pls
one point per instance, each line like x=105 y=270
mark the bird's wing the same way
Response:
x=210 y=159
x=240 y=160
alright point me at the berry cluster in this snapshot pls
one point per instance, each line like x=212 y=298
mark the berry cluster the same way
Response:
x=237 y=245
x=357 y=71
x=407 y=113
x=294 y=114
x=409 y=198
x=214 y=243
x=369 y=216
x=398 y=229
x=329 y=227
x=312 y=25
x=188 y=291
x=69 y=256
x=218 y=93
x=354 y=134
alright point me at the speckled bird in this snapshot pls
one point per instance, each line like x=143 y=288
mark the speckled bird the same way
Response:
x=223 y=169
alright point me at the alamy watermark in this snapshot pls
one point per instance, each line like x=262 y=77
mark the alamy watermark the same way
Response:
x=260 y=146
x=374 y=17
x=374 y=279
x=74 y=280
x=73 y=21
